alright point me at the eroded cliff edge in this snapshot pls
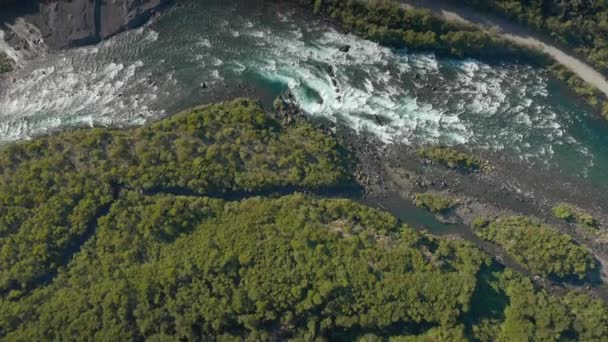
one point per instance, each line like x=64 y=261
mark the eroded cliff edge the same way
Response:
x=31 y=27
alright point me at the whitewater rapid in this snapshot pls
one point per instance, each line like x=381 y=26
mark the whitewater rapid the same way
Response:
x=143 y=75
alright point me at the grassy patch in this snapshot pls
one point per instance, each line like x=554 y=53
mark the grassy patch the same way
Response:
x=433 y=202
x=568 y=212
x=450 y=157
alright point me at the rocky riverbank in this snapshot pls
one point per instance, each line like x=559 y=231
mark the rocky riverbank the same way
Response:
x=31 y=28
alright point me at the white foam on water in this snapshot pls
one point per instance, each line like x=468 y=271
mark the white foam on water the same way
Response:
x=49 y=98
x=151 y=35
x=204 y=42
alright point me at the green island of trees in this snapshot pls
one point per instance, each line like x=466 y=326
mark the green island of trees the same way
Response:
x=539 y=248
x=192 y=229
x=51 y=189
x=450 y=157
x=433 y=202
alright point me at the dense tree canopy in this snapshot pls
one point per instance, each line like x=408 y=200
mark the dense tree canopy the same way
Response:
x=52 y=189
x=121 y=235
x=165 y=267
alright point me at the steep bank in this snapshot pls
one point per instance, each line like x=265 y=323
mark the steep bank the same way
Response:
x=32 y=27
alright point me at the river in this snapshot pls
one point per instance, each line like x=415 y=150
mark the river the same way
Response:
x=201 y=47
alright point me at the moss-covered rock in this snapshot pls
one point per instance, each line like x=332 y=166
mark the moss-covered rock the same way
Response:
x=433 y=202
x=450 y=157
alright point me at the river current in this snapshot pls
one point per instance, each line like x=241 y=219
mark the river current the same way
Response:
x=203 y=46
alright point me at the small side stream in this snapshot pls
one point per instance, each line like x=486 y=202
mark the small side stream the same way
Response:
x=422 y=220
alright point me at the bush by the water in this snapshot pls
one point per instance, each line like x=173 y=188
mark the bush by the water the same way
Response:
x=450 y=157
x=6 y=64
x=540 y=248
x=569 y=212
x=435 y=203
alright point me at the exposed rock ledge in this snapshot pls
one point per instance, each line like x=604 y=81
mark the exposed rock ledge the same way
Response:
x=32 y=27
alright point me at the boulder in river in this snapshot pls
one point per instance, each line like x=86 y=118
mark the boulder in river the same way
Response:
x=344 y=48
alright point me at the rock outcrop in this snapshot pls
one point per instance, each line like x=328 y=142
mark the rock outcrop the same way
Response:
x=32 y=26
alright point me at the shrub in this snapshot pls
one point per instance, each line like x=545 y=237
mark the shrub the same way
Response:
x=450 y=157
x=568 y=212
x=433 y=202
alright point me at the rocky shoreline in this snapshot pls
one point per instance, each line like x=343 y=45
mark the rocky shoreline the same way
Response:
x=32 y=28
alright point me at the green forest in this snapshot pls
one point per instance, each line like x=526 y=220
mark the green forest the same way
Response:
x=195 y=227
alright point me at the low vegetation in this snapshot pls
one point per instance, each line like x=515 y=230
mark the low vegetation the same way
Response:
x=450 y=157
x=540 y=248
x=435 y=203
x=166 y=232
x=571 y=213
